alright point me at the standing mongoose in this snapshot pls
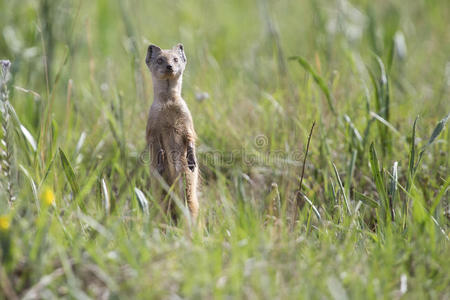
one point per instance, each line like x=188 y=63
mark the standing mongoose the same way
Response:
x=170 y=130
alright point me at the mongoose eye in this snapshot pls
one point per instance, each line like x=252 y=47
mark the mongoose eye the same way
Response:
x=175 y=59
x=159 y=61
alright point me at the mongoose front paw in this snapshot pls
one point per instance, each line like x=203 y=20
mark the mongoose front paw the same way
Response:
x=191 y=160
x=160 y=162
x=160 y=169
x=191 y=165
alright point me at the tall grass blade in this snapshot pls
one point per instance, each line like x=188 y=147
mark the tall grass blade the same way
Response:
x=319 y=81
x=350 y=171
x=33 y=185
x=355 y=131
x=392 y=192
x=382 y=105
x=105 y=194
x=385 y=122
x=316 y=211
x=414 y=165
x=142 y=200
x=384 y=86
x=49 y=168
x=412 y=155
x=341 y=187
x=378 y=178
x=68 y=171
x=80 y=143
x=94 y=224
x=366 y=200
x=436 y=132
x=442 y=192
x=29 y=137
x=299 y=191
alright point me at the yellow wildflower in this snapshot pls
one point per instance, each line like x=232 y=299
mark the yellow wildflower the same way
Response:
x=47 y=196
x=4 y=223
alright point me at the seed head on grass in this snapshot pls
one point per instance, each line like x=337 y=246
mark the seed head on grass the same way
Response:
x=5 y=64
x=6 y=146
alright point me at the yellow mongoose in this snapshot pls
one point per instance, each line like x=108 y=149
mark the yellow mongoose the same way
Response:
x=170 y=130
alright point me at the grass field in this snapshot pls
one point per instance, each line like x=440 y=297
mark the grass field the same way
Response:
x=368 y=219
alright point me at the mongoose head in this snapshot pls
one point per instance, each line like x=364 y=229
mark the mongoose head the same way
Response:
x=166 y=64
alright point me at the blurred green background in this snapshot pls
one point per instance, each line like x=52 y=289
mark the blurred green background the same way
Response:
x=80 y=93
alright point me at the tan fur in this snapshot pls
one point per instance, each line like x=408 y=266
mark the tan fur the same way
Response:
x=170 y=129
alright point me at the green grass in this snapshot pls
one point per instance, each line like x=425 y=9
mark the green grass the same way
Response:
x=370 y=219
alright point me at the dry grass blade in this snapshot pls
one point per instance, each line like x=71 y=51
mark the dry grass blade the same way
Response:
x=299 y=190
x=306 y=155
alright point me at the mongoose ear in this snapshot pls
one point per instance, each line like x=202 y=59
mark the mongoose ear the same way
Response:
x=180 y=48
x=152 y=51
